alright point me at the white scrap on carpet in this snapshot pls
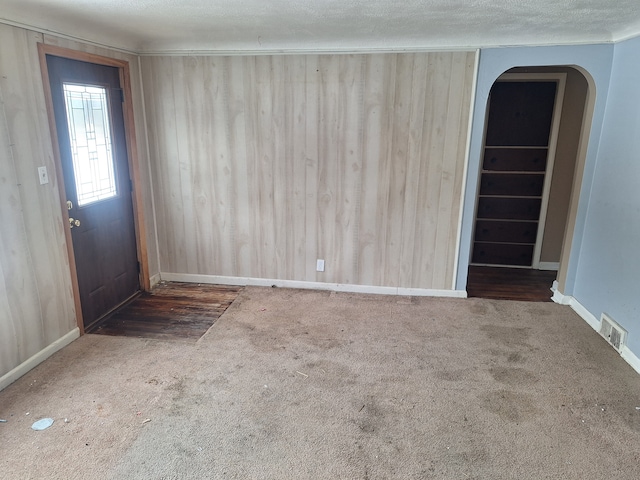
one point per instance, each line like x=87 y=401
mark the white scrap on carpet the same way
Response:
x=42 y=424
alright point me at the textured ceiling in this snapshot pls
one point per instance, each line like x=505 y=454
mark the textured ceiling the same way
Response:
x=327 y=25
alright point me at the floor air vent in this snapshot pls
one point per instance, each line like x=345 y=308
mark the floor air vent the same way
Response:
x=612 y=332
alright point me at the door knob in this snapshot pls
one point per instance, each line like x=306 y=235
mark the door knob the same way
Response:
x=73 y=222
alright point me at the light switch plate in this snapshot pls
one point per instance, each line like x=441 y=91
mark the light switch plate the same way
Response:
x=43 y=175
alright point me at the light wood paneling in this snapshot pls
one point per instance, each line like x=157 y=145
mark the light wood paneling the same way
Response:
x=18 y=293
x=264 y=164
x=36 y=304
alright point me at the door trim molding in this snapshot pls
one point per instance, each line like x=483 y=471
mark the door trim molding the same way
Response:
x=134 y=172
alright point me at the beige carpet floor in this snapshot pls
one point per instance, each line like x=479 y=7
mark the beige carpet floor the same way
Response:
x=295 y=384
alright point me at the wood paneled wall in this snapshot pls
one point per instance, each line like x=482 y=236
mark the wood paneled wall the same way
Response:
x=262 y=164
x=36 y=299
x=36 y=304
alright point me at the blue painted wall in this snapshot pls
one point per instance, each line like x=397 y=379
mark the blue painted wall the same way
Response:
x=604 y=263
x=595 y=62
x=608 y=270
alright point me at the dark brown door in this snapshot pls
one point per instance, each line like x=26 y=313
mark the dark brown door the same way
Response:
x=513 y=171
x=87 y=102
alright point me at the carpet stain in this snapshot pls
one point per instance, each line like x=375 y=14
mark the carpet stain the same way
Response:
x=510 y=406
x=539 y=312
x=323 y=343
x=478 y=309
x=632 y=420
x=103 y=410
x=267 y=343
x=509 y=355
x=370 y=417
x=513 y=376
x=516 y=357
x=509 y=336
x=331 y=373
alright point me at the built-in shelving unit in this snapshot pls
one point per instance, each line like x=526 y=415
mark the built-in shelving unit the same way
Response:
x=512 y=181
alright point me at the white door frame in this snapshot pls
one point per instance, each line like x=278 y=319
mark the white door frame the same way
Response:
x=561 y=79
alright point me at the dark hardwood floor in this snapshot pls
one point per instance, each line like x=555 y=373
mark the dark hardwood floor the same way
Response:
x=170 y=310
x=188 y=310
x=510 y=283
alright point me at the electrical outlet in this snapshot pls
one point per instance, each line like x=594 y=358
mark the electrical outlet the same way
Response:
x=43 y=175
x=319 y=265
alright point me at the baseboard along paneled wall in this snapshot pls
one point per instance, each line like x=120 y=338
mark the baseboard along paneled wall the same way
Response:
x=263 y=164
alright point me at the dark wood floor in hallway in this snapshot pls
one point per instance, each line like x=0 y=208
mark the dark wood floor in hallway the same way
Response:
x=501 y=283
x=170 y=310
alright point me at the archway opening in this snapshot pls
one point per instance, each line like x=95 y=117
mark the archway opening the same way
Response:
x=535 y=135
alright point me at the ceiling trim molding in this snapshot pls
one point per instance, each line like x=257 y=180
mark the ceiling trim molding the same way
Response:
x=629 y=36
x=303 y=51
x=354 y=50
x=46 y=31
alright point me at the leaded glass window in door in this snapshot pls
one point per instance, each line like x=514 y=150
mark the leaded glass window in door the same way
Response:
x=91 y=142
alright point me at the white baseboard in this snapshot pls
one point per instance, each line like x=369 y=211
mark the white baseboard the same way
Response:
x=586 y=315
x=335 y=287
x=560 y=298
x=630 y=357
x=548 y=266
x=38 y=358
x=154 y=280
x=431 y=292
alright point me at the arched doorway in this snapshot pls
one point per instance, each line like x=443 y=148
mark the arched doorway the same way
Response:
x=524 y=198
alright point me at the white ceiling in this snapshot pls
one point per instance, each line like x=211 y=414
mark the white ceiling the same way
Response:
x=156 y=26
